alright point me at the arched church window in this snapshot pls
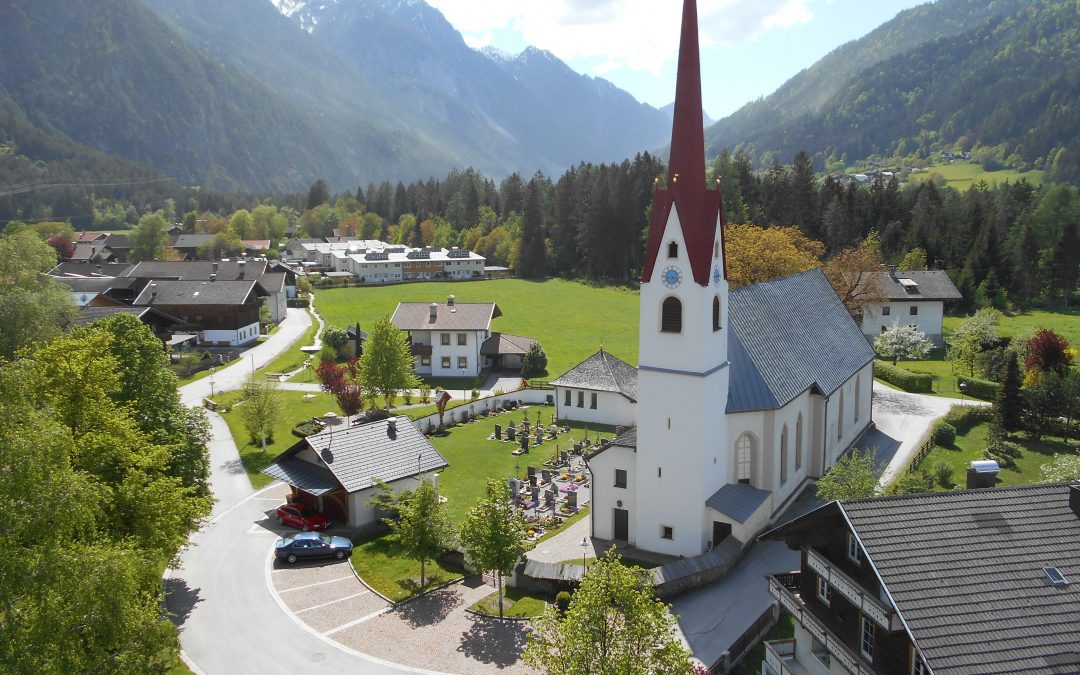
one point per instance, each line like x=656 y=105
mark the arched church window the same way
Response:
x=783 y=455
x=671 y=316
x=858 y=390
x=798 y=443
x=716 y=313
x=744 y=458
x=840 y=417
x=672 y=250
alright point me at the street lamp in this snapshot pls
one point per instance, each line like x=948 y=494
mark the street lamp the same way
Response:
x=584 y=550
x=212 y=382
x=464 y=391
x=963 y=389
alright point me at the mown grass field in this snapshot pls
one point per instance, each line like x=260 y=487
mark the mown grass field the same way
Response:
x=379 y=562
x=1064 y=321
x=971 y=446
x=571 y=320
x=517 y=603
x=962 y=175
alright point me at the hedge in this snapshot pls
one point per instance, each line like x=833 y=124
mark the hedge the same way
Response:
x=905 y=379
x=982 y=389
x=964 y=417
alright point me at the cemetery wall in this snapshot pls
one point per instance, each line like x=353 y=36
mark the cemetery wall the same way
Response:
x=480 y=405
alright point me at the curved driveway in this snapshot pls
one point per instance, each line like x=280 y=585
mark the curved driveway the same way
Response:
x=229 y=622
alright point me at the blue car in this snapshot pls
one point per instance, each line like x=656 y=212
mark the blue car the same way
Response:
x=312 y=545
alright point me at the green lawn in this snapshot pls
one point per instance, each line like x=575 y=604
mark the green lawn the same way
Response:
x=970 y=446
x=293 y=358
x=297 y=409
x=1064 y=321
x=571 y=320
x=474 y=459
x=940 y=368
x=962 y=175
x=379 y=562
x=517 y=604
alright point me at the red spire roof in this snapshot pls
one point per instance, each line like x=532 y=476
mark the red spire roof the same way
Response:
x=698 y=207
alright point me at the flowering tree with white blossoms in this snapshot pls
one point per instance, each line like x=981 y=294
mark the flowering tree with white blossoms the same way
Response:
x=902 y=342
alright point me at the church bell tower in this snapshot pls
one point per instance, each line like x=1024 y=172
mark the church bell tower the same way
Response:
x=682 y=361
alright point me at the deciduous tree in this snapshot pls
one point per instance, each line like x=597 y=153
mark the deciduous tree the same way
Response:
x=854 y=476
x=148 y=238
x=855 y=274
x=902 y=342
x=614 y=626
x=261 y=408
x=493 y=534
x=33 y=308
x=422 y=529
x=756 y=254
x=387 y=365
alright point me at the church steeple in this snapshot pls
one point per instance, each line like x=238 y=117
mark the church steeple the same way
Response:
x=698 y=208
x=686 y=167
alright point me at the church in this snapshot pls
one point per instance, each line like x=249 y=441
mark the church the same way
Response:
x=741 y=397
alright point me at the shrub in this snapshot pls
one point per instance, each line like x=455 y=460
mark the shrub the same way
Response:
x=982 y=389
x=964 y=417
x=562 y=601
x=943 y=473
x=905 y=379
x=910 y=483
x=944 y=433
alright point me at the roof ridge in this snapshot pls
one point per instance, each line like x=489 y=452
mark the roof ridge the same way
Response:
x=956 y=493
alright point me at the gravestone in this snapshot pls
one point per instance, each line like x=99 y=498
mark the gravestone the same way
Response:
x=571 y=500
x=535 y=491
x=549 y=498
x=511 y=434
x=515 y=486
x=546 y=475
x=530 y=471
x=539 y=435
x=533 y=481
x=498 y=432
x=525 y=442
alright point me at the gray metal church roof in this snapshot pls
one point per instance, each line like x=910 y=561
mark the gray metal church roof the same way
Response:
x=737 y=500
x=789 y=335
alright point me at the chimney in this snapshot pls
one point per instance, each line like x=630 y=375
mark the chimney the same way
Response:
x=892 y=272
x=391 y=426
x=433 y=312
x=240 y=266
x=1074 y=498
x=153 y=290
x=214 y=267
x=450 y=301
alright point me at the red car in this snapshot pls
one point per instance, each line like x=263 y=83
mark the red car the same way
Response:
x=303 y=516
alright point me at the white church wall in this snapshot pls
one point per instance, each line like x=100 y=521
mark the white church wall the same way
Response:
x=682 y=381
x=611 y=407
x=606 y=497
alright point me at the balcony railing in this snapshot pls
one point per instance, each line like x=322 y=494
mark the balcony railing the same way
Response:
x=877 y=611
x=779 y=657
x=816 y=628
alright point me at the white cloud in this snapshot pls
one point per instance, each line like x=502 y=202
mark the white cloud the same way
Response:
x=636 y=34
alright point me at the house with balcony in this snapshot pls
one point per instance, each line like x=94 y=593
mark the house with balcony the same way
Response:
x=454 y=339
x=975 y=581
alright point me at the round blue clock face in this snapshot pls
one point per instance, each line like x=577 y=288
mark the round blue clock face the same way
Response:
x=672 y=277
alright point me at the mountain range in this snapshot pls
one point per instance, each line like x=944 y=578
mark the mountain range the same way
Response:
x=268 y=95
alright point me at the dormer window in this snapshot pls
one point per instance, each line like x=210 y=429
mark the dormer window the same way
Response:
x=672 y=250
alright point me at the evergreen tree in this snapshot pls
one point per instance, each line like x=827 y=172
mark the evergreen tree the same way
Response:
x=1025 y=276
x=318 y=194
x=804 y=209
x=1065 y=261
x=531 y=261
x=1010 y=403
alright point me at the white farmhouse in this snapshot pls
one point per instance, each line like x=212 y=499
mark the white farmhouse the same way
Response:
x=454 y=339
x=742 y=397
x=913 y=298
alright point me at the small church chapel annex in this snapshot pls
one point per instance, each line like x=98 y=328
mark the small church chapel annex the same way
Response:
x=742 y=396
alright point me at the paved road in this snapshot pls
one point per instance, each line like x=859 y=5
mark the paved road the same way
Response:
x=226 y=379
x=229 y=621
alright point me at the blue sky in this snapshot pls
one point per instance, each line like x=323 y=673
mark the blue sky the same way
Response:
x=749 y=47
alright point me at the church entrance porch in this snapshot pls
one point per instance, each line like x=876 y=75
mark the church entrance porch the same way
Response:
x=720 y=532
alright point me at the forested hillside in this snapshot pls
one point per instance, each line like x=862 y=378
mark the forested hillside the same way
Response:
x=1000 y=78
